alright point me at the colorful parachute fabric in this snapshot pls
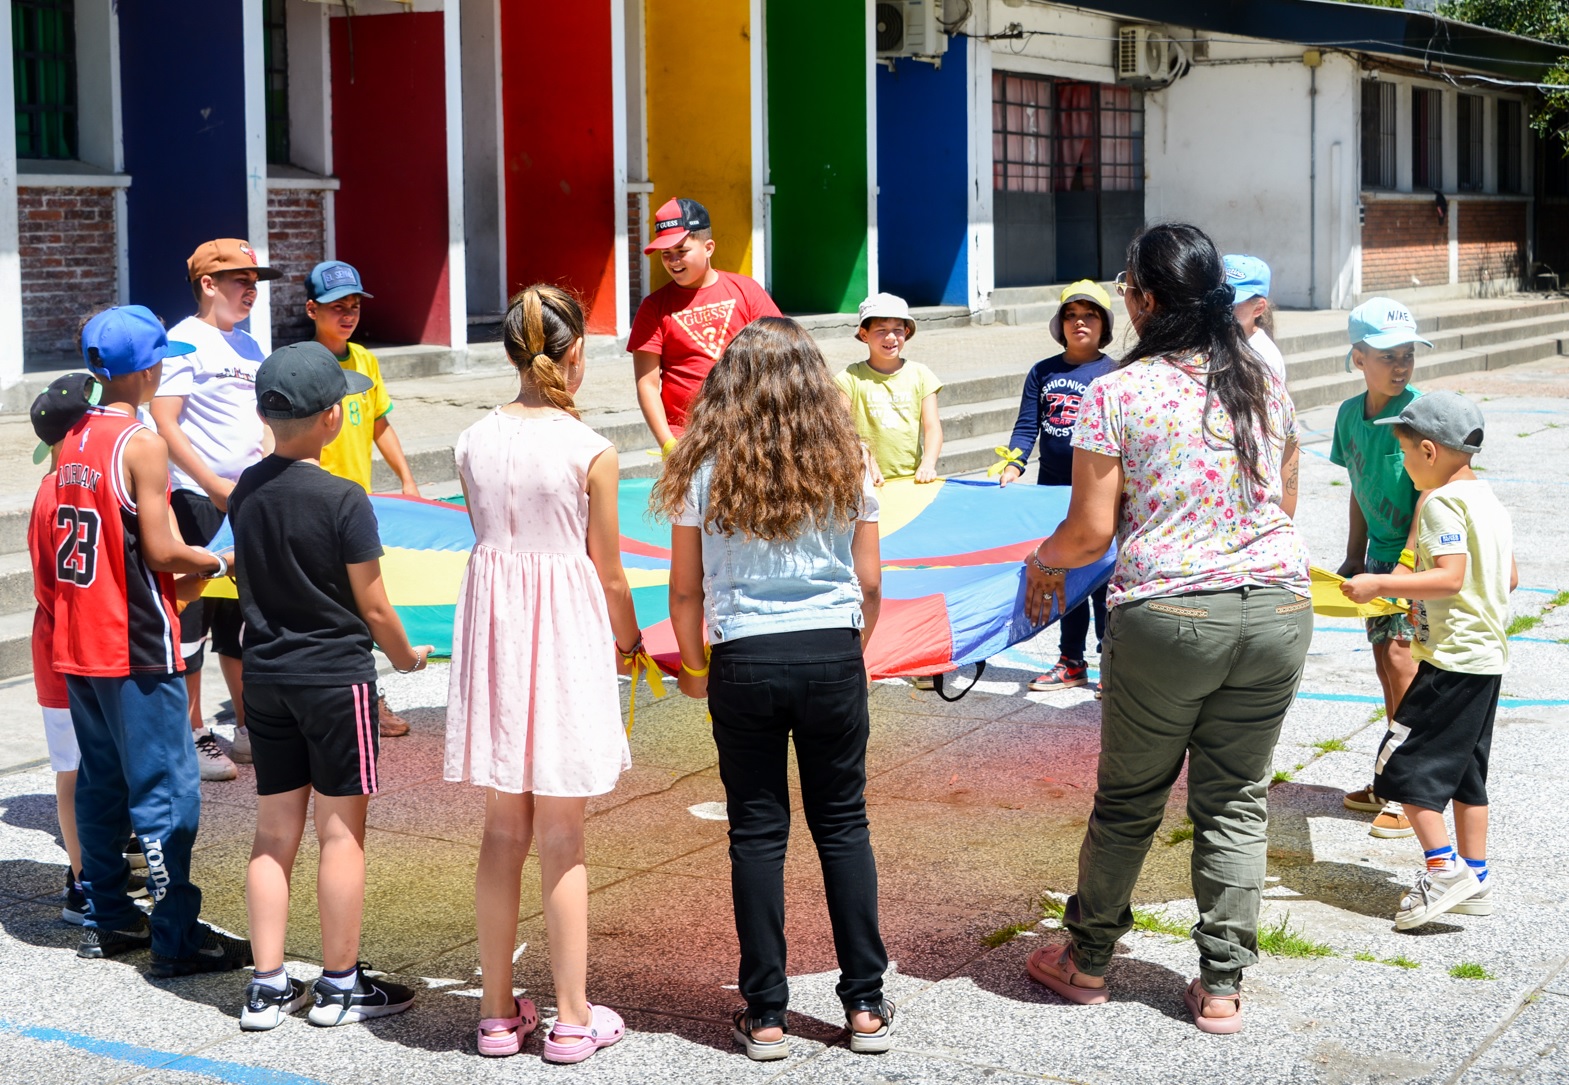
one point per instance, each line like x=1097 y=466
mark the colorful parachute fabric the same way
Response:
x=952 y=574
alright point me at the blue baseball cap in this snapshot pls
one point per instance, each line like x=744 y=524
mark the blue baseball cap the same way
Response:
x=1381 y=323
x=127 y=339
x=333 y=279
x=1248 y=276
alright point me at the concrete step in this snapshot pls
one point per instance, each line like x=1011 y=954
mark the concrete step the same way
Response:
x=16 y=643
x=1335 y=387
x=16 y=582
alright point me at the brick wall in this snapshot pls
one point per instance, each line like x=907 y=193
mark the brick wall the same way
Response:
x=296 y=242
x=1402 y=241
x=68 y=248
x=635 y=285
x=1492 y=241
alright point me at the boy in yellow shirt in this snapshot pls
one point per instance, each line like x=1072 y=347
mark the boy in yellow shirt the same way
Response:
x=334 y=293
x=893 y=400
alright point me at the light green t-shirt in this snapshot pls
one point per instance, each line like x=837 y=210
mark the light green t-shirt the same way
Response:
x=886 y=408
x=1466 y=632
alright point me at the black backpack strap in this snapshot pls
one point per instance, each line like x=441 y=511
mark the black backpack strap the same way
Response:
x=980 y=669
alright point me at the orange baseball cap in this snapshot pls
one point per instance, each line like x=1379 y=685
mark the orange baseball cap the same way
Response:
x=226 y=254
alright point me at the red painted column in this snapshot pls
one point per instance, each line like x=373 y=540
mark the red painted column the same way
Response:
x=389 y=151
x=558 y=147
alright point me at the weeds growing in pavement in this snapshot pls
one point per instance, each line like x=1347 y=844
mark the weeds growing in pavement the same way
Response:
x=1052 y=907
x=1330 y=745
x=1337 y=482
x=1003 y=935
x=1180 y=833
x=1522 y=623
x=1152 y=922
x=1558 y=600
x=1364 y=955
x=1281 y=776
x=1378 y=714
x=1400 y=960
x=1282 y=940
x=1470 y=970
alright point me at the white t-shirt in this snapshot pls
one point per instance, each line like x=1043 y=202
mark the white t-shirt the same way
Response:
x=218 y=381
x=1266 y=349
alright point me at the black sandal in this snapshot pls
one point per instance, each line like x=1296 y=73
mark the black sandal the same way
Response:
x=760 y=1050
x=871 y=1043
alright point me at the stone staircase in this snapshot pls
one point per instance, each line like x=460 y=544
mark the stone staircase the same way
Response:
x=978 y=406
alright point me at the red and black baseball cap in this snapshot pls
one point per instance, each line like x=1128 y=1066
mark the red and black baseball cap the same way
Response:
x=674 y=220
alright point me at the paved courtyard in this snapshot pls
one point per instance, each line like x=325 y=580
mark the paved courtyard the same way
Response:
x=977 y=810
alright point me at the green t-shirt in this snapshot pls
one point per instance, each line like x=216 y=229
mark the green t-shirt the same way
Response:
x=1371 y=454
x=1466 y=632
x=886 y=408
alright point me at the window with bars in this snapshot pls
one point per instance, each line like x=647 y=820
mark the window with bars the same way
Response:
x=43 y=54
x=1468 y=125
x=1378 y=134
x=1511 y=127
x=1427 y=139
x=1063 y=136
x=275 y=69
x=1555 y=168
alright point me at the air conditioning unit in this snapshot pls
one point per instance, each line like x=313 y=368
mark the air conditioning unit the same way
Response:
x=909 y=28
x=1143 y=56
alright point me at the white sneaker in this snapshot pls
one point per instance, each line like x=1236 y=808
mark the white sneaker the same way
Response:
x=1436 y=892
x=240 y=748
x=215 y=764
x=1480 y=903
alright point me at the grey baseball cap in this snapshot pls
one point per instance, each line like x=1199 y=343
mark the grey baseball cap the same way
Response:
x=1445 y=418
x=303 y=379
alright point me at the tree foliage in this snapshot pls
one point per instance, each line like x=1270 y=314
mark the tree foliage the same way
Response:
x=1546 y=20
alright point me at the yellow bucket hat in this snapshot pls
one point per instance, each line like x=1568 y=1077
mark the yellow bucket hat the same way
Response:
x=1084 y=290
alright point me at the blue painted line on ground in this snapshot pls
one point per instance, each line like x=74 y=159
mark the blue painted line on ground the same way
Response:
x=235 y=1073
x=1541 y=591
x=1367 y=698
x=1359 y=632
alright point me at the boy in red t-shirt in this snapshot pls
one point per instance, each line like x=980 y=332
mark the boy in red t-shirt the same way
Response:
x=682 y=328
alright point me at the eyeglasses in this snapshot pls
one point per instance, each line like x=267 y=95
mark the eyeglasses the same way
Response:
x=1122 y=282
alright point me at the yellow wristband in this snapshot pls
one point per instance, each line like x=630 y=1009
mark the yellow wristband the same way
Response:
x=1408 y=559
x=702 y=673
x=667 y=448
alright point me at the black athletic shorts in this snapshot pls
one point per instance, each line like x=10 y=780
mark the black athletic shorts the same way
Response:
x=326 y=737
x=199 y=520
x=1437 y=748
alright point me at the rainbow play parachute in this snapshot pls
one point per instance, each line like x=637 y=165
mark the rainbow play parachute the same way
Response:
x=952 y=569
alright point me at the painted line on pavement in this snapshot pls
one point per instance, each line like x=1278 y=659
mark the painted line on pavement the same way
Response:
x=1364 y=698
x=235 y=1073
x=1359 y=632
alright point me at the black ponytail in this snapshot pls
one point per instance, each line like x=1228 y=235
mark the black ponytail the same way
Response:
x=1179 y=267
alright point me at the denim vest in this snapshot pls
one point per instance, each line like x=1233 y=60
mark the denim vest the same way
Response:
x=753 y=586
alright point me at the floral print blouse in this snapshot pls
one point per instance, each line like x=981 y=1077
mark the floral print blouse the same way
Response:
x=1187 y=520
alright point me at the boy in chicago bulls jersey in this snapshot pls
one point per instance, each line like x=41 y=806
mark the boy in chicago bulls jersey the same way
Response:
x=1047 y=414
x=682 y=328
x=116 y=639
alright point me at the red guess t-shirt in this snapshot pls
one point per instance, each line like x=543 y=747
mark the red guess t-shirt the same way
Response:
x=689 y=330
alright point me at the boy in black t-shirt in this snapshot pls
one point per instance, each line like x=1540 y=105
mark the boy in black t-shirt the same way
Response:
x=312 y=599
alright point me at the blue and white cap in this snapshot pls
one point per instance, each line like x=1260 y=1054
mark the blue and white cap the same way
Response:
x=333 y=279
x=1381 y=323
x=1248 y=276
x=127 y=339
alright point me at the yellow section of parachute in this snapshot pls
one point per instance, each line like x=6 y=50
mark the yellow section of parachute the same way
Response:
x=1329 y=601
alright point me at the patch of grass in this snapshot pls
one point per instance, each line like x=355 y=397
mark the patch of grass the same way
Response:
x=1474 y=467
x=1401 y=961
x=1522 y=623
x=1470 y=970
x=1281 y=776
x=1152 y=922
x=1563 y=640
x=1180 y=833
x=1336 y=482
x=1003 y=935
x=1378 y=714
x=1558 y=600
x=1283 y=940
x=1523 y=433
x=1364 y=955
x=1330 y=745
x=1052 y=907
x=1298 y=767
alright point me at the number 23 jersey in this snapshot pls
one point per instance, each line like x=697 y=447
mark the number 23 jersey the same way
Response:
x=114 y=617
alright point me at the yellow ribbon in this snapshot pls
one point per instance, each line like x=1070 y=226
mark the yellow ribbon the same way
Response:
x=641 y=663
x=1010 y=457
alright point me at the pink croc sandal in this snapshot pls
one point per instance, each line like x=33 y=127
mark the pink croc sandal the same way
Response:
x=574 y=1043
x=503 y=1036
x=1196 y=997
x=1053 y=966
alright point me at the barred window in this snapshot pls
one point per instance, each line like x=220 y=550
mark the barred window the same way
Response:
x=1469 y=125
x=1427 y=140
x=1021 y=133
x=275 y=68
x=1065 y=136
x=43 y=54
x=1511 y=127
x=1378 y=134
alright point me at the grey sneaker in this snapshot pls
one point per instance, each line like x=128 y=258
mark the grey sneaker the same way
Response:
x=266 y=1007
x=240 y=748
x=219 y=952
x=1479 y=903
x=1436 y=892
x=215 y=764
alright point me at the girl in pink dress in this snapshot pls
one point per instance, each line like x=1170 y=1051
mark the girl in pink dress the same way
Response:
x=533 y=712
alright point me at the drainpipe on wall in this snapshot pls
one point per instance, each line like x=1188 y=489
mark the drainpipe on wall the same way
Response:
x=1312 y=58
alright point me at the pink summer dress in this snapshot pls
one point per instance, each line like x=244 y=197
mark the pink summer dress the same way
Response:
x=533 y=703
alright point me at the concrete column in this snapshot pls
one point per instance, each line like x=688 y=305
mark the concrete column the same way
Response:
x=484 y=178
x=10 y=257
x=457 y=277
x=983 y=271
x=256 y=164
x=618 y=135
x=759 y=116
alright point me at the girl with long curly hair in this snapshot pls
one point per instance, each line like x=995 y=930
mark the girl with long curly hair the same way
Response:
x=774 y=543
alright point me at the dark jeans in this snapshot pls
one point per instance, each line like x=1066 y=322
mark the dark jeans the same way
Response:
x=1075 y=625
x=764 y=691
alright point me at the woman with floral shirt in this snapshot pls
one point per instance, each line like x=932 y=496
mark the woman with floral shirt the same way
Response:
x=1187 y=455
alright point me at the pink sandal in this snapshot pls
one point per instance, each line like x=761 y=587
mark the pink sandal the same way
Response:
x=1196 y=998
x=1053 y=966
x=503 y=1036
x=606 y=1028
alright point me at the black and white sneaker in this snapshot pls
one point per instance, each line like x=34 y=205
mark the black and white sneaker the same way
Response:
x=219 y=952
x=134 y=856
x=97 y=944
x=366 y=999
x=75 y=910
x=266 y=1006
x=213 y=762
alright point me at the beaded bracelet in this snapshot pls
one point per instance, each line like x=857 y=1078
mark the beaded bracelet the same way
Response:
x=1049 y=570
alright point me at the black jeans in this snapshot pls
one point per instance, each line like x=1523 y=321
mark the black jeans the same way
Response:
x=1074 y=627
x=762 y=691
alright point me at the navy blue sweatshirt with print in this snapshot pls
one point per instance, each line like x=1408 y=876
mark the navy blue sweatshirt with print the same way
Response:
x=1048 y=411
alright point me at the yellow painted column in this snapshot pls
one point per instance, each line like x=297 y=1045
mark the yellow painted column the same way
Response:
x=698 y=69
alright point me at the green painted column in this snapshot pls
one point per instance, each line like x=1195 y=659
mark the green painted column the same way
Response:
x=817 y=153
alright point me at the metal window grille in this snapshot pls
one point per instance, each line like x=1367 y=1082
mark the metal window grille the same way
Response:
x=1427 y=141
x=275 y=69
x=1469 y=130
x=1121 y=139
x=1511 y=127
x=1058 y=135
x=1021 y=133
x=1378 y=134
x=43 y=52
